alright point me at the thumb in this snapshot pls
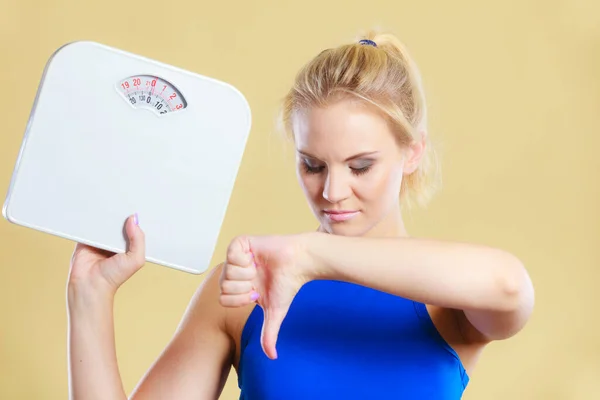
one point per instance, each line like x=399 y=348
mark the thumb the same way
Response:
x=135 y=256
x=136 y=237
x=270 y=331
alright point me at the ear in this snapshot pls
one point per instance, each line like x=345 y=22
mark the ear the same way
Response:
x=414 y=153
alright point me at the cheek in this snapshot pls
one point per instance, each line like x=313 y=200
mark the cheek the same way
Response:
x=310 y=184
x=382 y=186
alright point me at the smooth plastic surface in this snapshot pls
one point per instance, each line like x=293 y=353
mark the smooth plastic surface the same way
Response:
x=89 y=159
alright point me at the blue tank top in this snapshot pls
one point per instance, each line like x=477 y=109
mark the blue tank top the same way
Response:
x=345 y=341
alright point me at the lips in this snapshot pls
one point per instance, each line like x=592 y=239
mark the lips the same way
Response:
x=340 y=216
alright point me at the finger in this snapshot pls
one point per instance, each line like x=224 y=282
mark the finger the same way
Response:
x=79 y=247
x=270 y=331
x=135 y=255
x=137 y=241
x=84 y=248
x=236 y=273
x=238 y=252
x=236 y=287
x=238 y=300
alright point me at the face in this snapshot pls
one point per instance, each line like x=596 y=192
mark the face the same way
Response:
x=350 y=168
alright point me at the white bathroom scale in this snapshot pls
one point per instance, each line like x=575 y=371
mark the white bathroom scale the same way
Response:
x=111 y=134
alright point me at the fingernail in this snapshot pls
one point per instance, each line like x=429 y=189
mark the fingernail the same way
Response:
x=136 y=219
x=254 y=296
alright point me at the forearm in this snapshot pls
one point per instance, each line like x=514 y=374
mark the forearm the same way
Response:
x=452 y=275
x=93 y=369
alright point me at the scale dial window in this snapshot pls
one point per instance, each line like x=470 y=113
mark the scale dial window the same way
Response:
x=151 y=93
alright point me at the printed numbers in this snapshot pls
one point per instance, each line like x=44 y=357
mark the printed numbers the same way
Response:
x=143 y=91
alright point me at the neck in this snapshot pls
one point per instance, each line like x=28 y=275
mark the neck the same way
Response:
x=390 y=226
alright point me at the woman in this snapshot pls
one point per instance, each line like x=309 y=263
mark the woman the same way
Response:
x=357 y=309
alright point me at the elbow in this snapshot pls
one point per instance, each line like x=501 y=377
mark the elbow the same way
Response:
x=511 y=300
x=515 y=288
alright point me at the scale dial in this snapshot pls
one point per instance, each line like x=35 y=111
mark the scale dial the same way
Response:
x=151 y=93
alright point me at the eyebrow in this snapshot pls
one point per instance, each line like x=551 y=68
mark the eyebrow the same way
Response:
x=359 y=155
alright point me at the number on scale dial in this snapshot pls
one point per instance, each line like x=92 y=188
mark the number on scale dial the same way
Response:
x=151 y=92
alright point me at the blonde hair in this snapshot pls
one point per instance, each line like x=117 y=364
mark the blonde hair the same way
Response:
x=384 y=76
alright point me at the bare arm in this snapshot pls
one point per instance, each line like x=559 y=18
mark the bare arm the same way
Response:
x=195 y=363
x=93 y=370
x=491 y=286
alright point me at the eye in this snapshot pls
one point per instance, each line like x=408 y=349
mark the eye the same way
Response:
x=361 y=168
x=360 y=171
x=311 y=168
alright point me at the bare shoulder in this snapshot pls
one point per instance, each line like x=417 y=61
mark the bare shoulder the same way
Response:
x=231 y=321
x=196 y=362
x=204 y=306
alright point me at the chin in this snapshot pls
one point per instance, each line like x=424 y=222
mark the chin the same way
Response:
x=344 y=228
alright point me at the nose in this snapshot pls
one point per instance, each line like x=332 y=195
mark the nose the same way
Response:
x=336 y=187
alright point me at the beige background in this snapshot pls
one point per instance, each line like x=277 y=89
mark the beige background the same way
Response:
x=514 y=95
